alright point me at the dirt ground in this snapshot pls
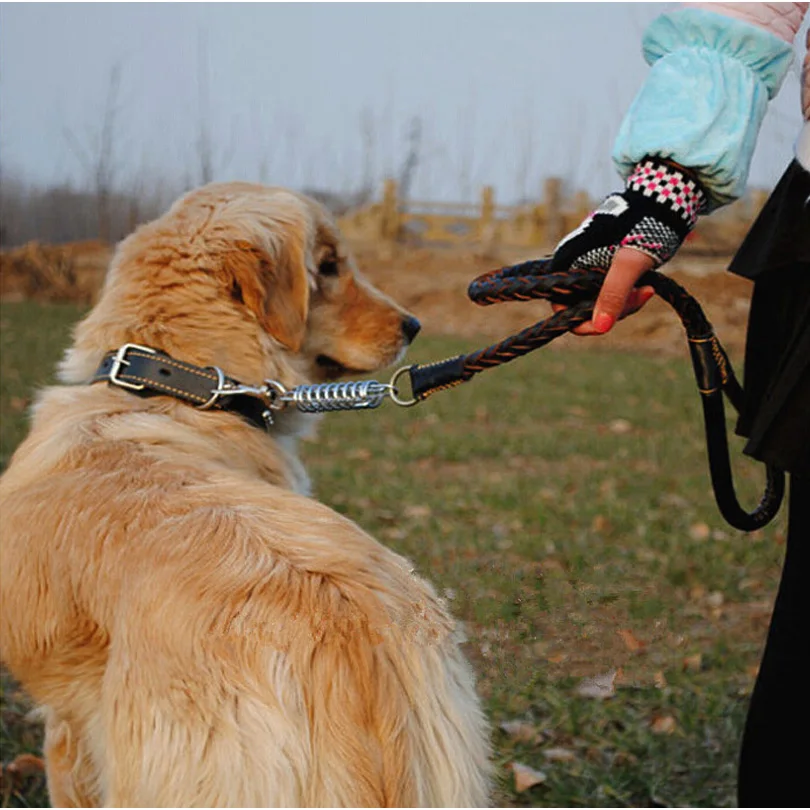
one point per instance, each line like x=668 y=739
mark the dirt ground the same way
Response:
x=431 y=282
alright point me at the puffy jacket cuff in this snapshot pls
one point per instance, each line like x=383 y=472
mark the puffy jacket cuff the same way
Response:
x=704 y=99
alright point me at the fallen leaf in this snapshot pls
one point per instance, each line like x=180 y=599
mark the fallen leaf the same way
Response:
x=359 y=454
x=607 y=488
x=659 y=680
x=521 y=731
x=557 y=658
x=599 y=524
x=623 y=758
x=526 y=777
x=594 y=754
x=19 y=403
x=749 y=584
x=13 y=777
x=630 y=641
x=715 y=599
x=620 y=427
x=673 y=499
x=417 y=511
x=540 y=648
x=559 y=754
x=663 y=724
x=25 y=765
x=693 y=663
x=699 y=531
x=551 y=564
x=598 y=687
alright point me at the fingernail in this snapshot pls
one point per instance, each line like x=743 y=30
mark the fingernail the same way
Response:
x=603 y=322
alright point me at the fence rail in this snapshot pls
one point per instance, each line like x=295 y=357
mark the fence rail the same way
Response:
x=540 y=225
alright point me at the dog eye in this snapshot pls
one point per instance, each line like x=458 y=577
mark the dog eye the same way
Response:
x=328 y=267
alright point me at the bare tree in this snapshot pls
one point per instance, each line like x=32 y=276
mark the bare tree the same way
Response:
x=368 y=144
x=209 y=161
x=99 y=159
x=525 y=147
x=265 y=152
x=411 y=162
x=466 y=150
x=204 y=149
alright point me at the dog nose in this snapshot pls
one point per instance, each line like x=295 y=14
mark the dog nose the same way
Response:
x=410 y=328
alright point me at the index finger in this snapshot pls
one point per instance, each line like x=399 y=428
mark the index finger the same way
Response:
x=627 y=267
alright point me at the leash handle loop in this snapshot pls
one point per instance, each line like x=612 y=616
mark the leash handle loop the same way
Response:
x=577 y=289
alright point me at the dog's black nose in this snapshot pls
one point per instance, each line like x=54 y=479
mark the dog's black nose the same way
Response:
x=410 y=328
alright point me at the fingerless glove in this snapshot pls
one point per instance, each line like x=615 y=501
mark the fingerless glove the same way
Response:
x=654 y=214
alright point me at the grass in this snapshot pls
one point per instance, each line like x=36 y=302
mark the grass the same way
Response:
x=562 y=504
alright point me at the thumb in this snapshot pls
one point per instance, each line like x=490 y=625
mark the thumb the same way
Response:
x=627 y=268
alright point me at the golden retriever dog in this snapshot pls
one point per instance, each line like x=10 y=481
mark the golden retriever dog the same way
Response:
x=199 y=631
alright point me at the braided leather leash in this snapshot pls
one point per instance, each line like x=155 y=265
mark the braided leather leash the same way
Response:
x=578 y=289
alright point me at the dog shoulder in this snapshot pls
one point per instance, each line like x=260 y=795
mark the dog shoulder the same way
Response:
x=276 y=542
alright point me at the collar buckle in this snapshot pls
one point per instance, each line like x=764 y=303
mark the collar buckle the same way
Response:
x=120 y=360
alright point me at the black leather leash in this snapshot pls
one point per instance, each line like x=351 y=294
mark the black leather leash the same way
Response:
x=147 y=372
x=578 y=289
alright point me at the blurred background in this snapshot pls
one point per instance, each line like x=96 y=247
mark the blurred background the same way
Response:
x=117 y=108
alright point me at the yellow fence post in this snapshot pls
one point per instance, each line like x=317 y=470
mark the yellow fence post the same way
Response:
x=487 y=234
x=487 y=206
x=389 y=222
x=582 y=206
x=552 y=197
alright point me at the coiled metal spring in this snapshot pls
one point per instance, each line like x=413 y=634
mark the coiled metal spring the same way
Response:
x=340 y=396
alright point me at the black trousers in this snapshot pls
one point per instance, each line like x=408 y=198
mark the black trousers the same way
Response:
x=775 y=757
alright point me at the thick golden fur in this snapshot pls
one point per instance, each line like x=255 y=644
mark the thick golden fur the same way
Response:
x=199 y=631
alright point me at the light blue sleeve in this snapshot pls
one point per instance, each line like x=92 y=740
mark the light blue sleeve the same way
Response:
x=704 y=99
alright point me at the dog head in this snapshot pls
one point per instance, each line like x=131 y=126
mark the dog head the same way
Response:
x=252 y=279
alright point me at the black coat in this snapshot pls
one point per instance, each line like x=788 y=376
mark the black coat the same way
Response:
x=775 y=255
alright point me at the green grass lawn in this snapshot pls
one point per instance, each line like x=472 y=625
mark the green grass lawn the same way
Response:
x=562 y=504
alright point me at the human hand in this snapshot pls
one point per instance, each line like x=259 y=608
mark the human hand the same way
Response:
x=629 y=234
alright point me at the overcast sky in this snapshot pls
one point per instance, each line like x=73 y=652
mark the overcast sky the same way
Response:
x=320 y=95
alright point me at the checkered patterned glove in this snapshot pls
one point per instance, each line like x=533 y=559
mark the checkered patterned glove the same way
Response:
x=654 y=214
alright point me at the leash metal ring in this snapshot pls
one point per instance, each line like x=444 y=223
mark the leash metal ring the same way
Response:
x=216 y=393
x=405 y=403
x=274 y=395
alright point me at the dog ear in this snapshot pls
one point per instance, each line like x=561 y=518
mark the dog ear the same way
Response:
x=274 y=288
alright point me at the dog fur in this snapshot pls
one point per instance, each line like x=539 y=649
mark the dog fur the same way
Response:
x=197 y=629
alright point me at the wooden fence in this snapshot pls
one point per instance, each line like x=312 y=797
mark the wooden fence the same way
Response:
x=539 y=225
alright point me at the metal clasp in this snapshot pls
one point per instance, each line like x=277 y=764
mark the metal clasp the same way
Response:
x=120 y=360
x=270 y=393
